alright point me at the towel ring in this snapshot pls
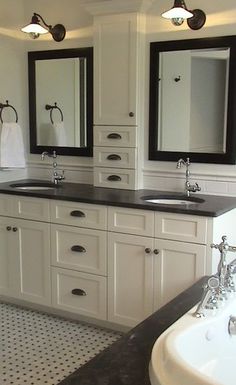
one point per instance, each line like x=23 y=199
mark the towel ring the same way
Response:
x=51 y=108
x=2 y=106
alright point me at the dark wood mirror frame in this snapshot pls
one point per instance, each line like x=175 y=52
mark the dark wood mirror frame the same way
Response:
x=61 y=54
x=229 y=156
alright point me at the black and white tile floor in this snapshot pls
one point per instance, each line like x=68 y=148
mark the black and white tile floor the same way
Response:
x=37 y=348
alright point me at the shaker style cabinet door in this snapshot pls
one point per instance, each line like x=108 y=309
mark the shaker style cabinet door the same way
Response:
x=115 y=64
x=25 y=260
x=130 y=278
x=177 y=266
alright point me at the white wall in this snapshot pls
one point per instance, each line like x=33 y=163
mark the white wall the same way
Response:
x=79 y=26
x=221 y=21
x=13 y=71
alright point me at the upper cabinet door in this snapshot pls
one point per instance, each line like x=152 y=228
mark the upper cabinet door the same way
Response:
x=115 y=66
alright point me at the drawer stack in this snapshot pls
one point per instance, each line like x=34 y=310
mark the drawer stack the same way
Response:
x=115 y=157
x=79 y=258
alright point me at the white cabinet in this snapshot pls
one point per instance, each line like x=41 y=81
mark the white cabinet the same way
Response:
x=144 y=273
x=115 y=166
x=79 y=258
x=116 y=264
x=115 y=66
x=130 y=278
x=117 y=90
x=25 y=259
x=177 y=265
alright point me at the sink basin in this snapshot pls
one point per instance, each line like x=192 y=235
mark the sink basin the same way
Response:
x=32 y=186
x=196 y=351
x=172 y=200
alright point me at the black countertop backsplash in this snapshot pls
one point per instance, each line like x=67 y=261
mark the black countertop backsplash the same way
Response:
x=212 y=206
x=126 y=361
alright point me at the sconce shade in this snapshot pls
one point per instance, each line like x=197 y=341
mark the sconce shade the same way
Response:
x=34 y=26
x=178 y=11
x=35 y=29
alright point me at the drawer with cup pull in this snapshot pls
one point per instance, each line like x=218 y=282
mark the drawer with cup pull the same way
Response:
x=119 y=158
x=79 y=214
x=115 y=178
x=115 y=136
x=80 y=293
x=79 y=249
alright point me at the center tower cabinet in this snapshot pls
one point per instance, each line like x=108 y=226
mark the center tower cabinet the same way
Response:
x=117 y=91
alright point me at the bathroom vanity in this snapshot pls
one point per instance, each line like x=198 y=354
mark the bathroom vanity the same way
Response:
x=105 y=255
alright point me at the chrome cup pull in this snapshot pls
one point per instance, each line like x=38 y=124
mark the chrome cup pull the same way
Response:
x=77 y=213
x=78 y=249
x=114 y=178
x=113 y=135
x=79 y=292
x=113 y=157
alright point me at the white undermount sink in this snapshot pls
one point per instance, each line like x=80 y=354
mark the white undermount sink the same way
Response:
x=196 y=351
x=172 y=200
x=33 y=186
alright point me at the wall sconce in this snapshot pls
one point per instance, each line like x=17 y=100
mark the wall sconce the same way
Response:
x=35 y=29
x=179 y=12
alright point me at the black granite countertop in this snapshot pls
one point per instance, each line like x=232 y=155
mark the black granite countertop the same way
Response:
x=126 y=361
x=212 y=205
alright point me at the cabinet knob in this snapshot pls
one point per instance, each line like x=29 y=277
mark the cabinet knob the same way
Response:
x=78 y=249
x=14 y=229
x=156 y=251
x=79 y=292
x=148 y=250
x=131 y=114
x=8 y=228
x=77 y=213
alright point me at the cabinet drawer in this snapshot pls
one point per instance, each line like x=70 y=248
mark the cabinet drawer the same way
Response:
x=131 y=221
x=79 y=293
x=115 y=136
x=79 y=249
x=115 y=178
x=31 y=208
x=186 y=228
x=119 y=158
x=6 y=204
x=79 y=214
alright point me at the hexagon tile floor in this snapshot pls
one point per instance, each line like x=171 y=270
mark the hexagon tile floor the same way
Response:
x=37 y=348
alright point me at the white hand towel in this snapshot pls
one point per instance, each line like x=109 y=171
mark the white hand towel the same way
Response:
x=12 y=146
x=60 y=134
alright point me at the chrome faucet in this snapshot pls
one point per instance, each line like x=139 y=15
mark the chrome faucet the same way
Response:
x=219 y=285
x=225 y=272
x=56 y=177
x=50 y=155
x=209 y=298
x=188 y=186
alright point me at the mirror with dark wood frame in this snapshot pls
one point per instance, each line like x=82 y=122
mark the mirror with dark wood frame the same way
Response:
x=192 y=107
x=61 y=101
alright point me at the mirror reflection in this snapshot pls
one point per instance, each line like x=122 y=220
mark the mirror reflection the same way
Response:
x=193 y=95
x=190 y=100
x=61 y=94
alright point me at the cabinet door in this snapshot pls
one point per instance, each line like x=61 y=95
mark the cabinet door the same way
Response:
x=115 y=51
x=7 y=261
x=32 y=258
x=177 y=266
x=130 y=278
